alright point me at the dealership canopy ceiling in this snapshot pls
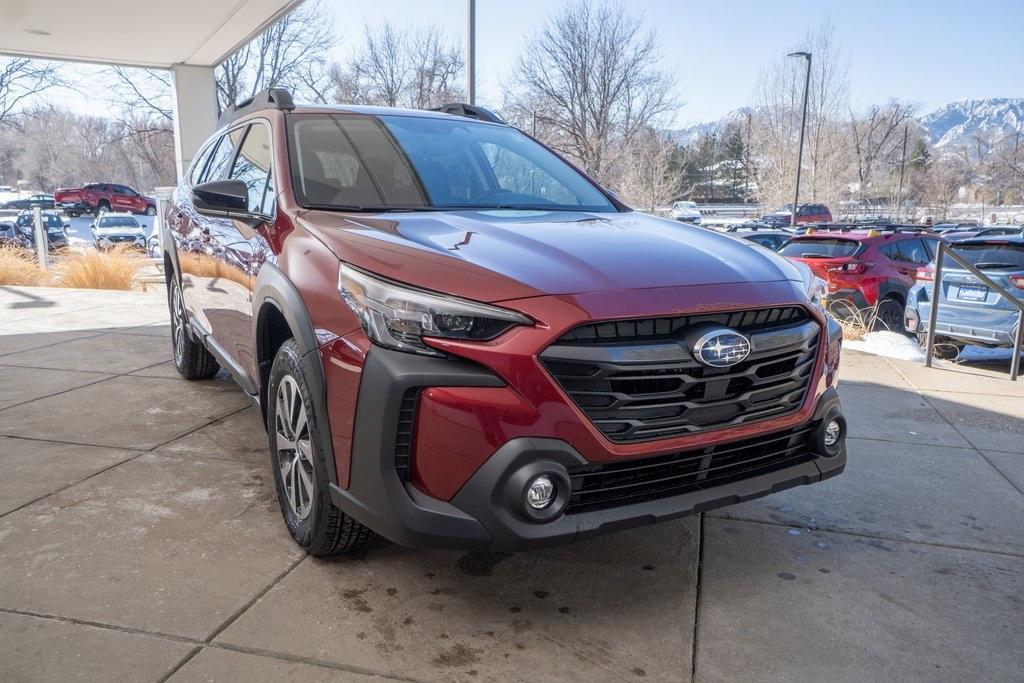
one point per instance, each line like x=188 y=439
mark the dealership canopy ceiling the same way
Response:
x=134 y=32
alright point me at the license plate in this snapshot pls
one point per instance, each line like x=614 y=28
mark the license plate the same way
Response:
x=969 y=293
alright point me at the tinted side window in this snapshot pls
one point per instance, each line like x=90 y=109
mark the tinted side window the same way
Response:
x=913 y=251
x=199 y=163
x=220 y=162
x=253 y=167
x=891 y=251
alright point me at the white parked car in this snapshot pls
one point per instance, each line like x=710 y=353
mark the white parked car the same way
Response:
x=111 y=229
x=686 y=212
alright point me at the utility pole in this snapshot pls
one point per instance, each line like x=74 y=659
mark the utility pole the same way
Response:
x=471 y=52
x=803 y=124
x=903 y=166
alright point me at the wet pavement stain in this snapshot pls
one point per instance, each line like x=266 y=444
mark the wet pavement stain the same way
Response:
x=480 y=563
x=456 y=655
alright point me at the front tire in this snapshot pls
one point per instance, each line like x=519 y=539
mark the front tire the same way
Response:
x=191 y=358
x=300 y=469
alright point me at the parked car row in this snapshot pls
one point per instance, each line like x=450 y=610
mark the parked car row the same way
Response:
x=17 y=227
x=95 y=198
x=882 y=273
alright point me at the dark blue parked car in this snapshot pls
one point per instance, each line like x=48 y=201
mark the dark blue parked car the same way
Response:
x=970 y=312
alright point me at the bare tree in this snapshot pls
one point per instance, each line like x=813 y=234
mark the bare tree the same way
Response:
x=775 y=122
x=877 y=139
x=402 y=67
x=597 y=71
x=291 y=53
x=651 y=176
x=21 y=79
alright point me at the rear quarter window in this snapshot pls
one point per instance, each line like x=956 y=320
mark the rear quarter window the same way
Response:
x=1006 y=255
x=804 y=247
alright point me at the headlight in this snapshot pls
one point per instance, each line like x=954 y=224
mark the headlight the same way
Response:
x=815 y=287
x=398 y=316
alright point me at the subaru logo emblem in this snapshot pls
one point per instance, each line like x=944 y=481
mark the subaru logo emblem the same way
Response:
x=721 y=348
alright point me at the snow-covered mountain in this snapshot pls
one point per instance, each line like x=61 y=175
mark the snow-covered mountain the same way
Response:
x=947 y=126
x=956 y=122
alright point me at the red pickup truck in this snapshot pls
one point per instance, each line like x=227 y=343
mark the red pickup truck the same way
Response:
x=102 y=197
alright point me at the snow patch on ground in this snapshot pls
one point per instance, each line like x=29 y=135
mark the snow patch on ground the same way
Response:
x=888 y=344
x=892 y=345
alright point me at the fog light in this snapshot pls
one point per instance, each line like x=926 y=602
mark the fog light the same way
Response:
x=833 y=430
x=910 y=324
x=540 y=493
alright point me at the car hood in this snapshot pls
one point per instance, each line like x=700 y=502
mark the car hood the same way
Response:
x=500 y=255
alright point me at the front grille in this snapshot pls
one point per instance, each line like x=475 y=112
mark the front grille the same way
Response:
x=638 y=380
x=403 y=434
x=600 y=486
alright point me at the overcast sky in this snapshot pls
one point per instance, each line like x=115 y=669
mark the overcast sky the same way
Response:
x=930 y=53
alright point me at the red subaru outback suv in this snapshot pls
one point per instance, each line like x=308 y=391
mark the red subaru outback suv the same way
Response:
x=865 y=266
x=457 y=339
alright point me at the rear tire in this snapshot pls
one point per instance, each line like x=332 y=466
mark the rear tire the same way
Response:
x=300 y=468
x=150 y=210
x=889 y=317
x=191 y=358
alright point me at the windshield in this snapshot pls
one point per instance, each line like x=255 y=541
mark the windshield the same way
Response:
x=358 y=162
x=118 y=222
x=993 y=255
x=819 y=248
x=49 y=220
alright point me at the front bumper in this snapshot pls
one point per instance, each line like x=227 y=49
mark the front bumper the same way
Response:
x=484 y=513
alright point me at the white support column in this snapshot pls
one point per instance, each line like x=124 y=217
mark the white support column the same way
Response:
x=195 y=111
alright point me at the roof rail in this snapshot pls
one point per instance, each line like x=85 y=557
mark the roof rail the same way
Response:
x=864 y=227
x=469 y=111
x=271 y=98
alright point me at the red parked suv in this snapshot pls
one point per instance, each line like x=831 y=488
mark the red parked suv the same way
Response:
x=103 y=197
x=865 y=266
x=457 y=339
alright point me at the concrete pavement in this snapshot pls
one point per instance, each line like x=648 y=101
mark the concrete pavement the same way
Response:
x=140 y=539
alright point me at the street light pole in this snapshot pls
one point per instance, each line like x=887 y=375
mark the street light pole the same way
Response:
x=803 y=124
x=903 y=168
x=471 y=52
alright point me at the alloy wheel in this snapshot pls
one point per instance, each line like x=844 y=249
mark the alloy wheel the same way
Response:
x=294 y=449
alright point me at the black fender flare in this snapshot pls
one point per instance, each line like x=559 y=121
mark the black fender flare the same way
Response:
x=273 y=288
x=886 y=289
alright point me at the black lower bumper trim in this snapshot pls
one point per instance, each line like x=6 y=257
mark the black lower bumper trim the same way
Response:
x=487 y=512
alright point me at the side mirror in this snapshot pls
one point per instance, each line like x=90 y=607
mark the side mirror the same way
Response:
x=222 y=198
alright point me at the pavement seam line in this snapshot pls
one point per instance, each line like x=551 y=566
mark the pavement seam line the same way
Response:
x=57 y=343
x=58 y=393
x=259 y=652
x=952 y=426
x=138 y=454
x=199 y=645
x=860 y=534
x=696 y=600
x=252 y=601
x=181 y=664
